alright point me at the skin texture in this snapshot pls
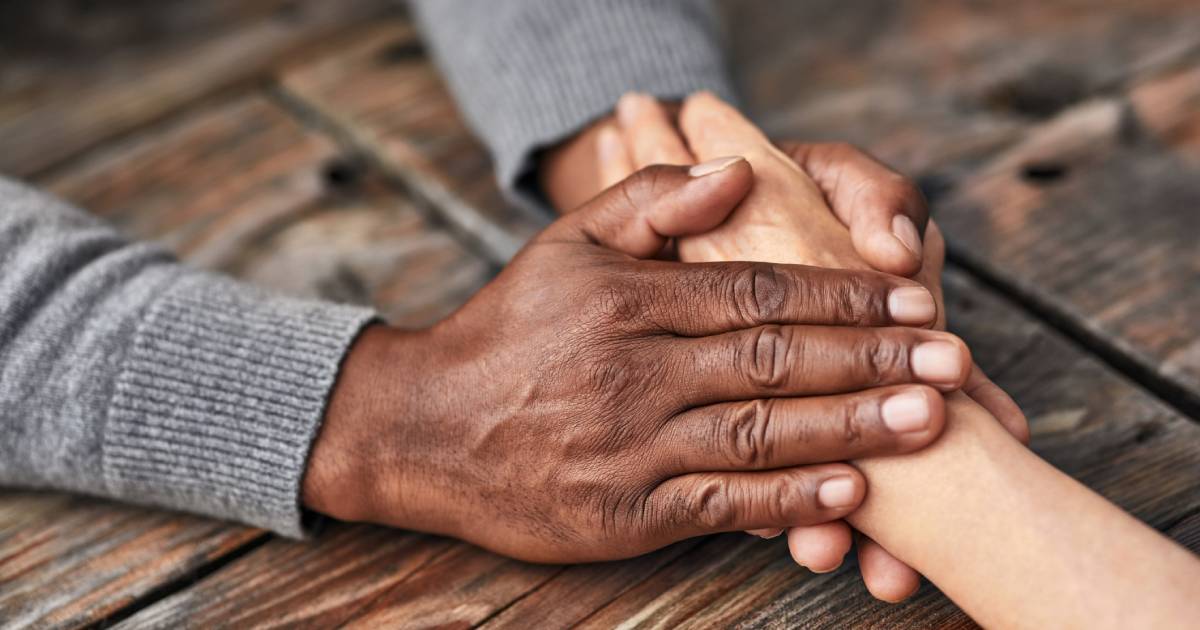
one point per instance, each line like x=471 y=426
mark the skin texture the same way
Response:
x=867 y=197
x=860 y=192
x=592 y=403
x=949 y=509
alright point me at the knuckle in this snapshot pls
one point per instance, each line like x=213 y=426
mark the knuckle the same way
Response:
x=760 y=292
x=883 y=357
x=786 y=499
x=746 y=434
x=855 y=300
x=644 y=185
x=612 y=300
x=711 y=507
x=766 y=356
x=852 y=420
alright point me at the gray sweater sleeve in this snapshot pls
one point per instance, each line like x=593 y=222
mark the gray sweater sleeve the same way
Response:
x=127 y=375
x=529 y=73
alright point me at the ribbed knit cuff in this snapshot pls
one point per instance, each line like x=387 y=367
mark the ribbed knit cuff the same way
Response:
x=529 y=73
x=220 y=397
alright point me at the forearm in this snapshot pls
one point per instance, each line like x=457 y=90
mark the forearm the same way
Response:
x=1015 y=542
x=130 y=376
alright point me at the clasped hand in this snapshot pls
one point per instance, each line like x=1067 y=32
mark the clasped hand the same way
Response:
x=594 y=402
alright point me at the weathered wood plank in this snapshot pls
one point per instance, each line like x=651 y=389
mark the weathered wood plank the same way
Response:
x=382 y=94
x=1093 y=216
x=587 y=587
x=71 y=561
x=928 y=83
x=242 y=188
x=316 y=584
x=356 y=576
x=72 y=78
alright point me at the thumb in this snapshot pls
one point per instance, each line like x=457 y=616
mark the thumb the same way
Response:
x=638 y=214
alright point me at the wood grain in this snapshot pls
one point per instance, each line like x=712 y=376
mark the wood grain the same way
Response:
x=1092 y=216
x=70 y=561
x=127 y=67
x=928 y=84
x=382 y=95
x=305 y=187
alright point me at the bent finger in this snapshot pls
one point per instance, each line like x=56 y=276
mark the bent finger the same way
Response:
x=638 y=214
x=885 y=211
x=648 y=132
x=886 y=577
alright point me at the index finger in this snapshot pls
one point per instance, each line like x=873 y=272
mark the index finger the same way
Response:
x=885 y=211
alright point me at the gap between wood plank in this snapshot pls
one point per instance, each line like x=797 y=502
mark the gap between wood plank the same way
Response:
x=487 y=240
x=181 y=583
x=1179 y=398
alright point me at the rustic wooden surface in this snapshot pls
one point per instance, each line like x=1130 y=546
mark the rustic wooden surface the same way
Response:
x=1059 y=142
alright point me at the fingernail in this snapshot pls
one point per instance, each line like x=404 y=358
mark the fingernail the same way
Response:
x=628 y=106
x=905 y=231
x=906 y=413
x=911 y=305
x=836 y=493
x=713 y=166
x=937 y=361
x=766 y=533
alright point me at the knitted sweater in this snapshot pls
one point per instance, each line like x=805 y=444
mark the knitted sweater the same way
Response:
x=125 y=374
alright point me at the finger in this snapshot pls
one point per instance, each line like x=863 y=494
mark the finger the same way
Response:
x=885 y=211
x=639 y=213
x=886 y=577
x=997 y=402
x=707 y=503
x=777 y=361
x=611 y=156
x=766 y=533
x=649 y=133
x=713 y=127
x=696 y=299
x=820 y=548
x=782 y=432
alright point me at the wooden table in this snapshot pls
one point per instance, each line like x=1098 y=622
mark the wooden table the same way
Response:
x=310 y=146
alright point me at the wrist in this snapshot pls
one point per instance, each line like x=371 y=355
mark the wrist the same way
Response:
x=361 y=466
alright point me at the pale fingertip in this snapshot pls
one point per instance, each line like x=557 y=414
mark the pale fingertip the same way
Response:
x=907 y=412
x=820 y=548
x=938 y=362
x=911 y=306
x=838 y=492
x=766 y=533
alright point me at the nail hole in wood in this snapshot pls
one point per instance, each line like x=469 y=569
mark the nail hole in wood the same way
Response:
x=1040 y=92
x=1042 y=173
x=1146 y=432
x=402 y=51
x=289 y=12
x=343 y=173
